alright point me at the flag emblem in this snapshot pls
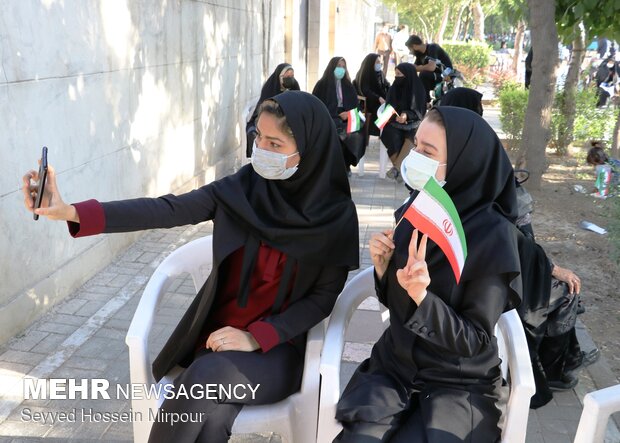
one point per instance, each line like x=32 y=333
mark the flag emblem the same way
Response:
x=384 y=114
x=433 y=213
x=355 y=120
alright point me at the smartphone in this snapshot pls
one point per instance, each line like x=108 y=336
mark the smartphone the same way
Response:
x=42 y=179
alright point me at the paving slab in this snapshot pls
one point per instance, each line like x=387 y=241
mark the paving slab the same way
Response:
x=83 y=336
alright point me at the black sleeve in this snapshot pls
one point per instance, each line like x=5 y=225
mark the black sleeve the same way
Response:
x=380 y=288
x=309 y=310
x=444 y=57
x=468 y=329
x=162 y=212
x=370 y=94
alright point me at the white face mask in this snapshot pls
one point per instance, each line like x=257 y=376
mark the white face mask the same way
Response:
x=416 y=169
x=271 y=165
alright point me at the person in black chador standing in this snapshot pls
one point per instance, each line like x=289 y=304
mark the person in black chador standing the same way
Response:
x=339 y=95
x=425 y=56
x=280 y=259
x=434 y=374
x=281 y=79
x=528 y=68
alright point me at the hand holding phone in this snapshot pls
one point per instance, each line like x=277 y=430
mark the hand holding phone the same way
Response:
x=42 y=179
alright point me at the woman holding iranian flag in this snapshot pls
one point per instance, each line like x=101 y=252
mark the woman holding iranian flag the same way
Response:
x=401 y=115
x=434 y=374
x=337 y=92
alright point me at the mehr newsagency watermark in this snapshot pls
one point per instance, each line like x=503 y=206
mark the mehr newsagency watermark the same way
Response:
x=100 y=389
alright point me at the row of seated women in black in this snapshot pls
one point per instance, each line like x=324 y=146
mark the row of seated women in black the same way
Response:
x=285 y=236
x=340 y=95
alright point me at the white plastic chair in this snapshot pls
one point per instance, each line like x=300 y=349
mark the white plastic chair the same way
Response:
x=511 y=341
x=294 y=418
x=597 y=407
x=383 y=161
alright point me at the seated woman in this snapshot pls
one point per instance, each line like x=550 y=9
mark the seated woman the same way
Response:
x=282 y=79
x=406 y=96
x=271 y=279
x=336 y=91
x=434 y=374
x=463 y=98
x=371 y=83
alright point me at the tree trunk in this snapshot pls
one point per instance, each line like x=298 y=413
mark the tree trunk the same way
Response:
x=478 y=21
x=518 y=54
x=444 y=23
x=426 y=35
x=614 y=145
x=457 y=23
x=536 y=132
x=467 y=21
x=565 y=134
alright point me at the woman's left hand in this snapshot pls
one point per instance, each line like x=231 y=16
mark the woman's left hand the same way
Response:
x=231 y=339
x=414 y=277
x=568 y=276
x=344 y=116
x=402 y=118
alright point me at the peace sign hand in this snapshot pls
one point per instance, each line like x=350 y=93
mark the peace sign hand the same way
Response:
x=414 y=277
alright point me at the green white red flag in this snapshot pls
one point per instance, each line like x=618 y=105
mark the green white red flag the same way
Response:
x=355 y=120
x=433 y=213
x=384 y=116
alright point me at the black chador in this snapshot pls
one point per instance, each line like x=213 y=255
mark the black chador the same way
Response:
x=339 y=95
x=434 y=374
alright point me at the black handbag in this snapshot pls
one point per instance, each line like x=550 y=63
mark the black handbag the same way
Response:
x=409 y=126
x=562 y=314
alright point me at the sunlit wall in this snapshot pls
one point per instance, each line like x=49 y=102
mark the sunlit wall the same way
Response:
x=132 y=98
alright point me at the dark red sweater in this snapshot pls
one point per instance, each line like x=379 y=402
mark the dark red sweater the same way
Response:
x=225 y=310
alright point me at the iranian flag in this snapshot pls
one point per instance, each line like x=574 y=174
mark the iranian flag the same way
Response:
x=603 y=180
x=384 y=114
x=433 y=213
x=355 y=120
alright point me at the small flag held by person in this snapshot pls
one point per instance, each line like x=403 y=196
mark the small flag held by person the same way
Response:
x=355 y=120
x=433 y=213
x=384 y=115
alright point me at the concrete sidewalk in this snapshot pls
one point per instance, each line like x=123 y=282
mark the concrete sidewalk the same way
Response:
x=83 y=337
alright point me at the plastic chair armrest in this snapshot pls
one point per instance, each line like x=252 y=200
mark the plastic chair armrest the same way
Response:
x=522 y=385
x=137 y=337
x=597 y=407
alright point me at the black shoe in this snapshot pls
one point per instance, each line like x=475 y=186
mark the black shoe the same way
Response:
x=587 y=358
x=590 y=357
x=564 y=384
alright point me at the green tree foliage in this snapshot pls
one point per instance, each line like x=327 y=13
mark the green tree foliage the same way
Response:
x=600 y=18
x=513 y=103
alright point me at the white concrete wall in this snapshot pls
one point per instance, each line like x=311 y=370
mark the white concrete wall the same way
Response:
x=355 y=32
x=132 y=98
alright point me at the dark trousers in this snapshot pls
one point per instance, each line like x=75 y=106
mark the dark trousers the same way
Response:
x=429 y=80
x=436 y=415
x=278 y=372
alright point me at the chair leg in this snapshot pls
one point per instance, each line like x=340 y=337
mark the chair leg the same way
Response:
x=383 y=160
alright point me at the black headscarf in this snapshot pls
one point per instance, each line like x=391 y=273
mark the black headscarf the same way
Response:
x=368 y=78
x=463 y=98
x=273 y=86
x=325 y=89
x=480 y=182
x=400 y=95
x=309 y=216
